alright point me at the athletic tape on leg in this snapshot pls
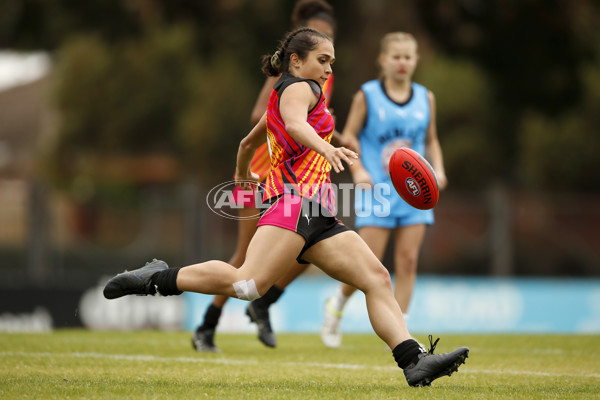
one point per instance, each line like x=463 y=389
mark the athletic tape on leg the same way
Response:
x=246 y=290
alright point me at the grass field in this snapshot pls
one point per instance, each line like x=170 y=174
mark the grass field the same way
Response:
x=79 y=364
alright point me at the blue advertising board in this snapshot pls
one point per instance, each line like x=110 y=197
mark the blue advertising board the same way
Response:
x=439 y=305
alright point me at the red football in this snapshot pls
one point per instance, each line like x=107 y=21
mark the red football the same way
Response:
x=414 y=178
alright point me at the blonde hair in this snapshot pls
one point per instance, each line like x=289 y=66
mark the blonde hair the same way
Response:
x=396 y=37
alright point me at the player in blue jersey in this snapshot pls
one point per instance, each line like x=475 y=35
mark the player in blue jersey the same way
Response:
x=386 y=114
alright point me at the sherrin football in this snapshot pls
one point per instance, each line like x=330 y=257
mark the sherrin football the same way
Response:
x=414 y=178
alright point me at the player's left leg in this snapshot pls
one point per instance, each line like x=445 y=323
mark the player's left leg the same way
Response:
x=407 y=245
x=376 y=238
x=345 y=256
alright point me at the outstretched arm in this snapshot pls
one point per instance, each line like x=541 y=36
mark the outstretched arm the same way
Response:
x=433 y=149
x=355 y=122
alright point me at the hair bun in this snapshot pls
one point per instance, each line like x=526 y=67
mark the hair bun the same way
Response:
x=276 y=60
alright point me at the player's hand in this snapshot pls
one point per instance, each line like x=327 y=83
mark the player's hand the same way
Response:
x=349 y=142
x=335 y=156
x=246 y=180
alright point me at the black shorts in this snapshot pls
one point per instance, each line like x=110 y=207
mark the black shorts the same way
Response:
x=304 y=217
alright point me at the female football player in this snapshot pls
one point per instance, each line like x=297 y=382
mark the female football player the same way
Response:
x=299 y=224
x=315 y=14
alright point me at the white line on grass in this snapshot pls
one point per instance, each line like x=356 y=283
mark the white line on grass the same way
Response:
x=226 y=361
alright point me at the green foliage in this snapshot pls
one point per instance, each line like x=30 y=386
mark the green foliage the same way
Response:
x=47 y=24
x=125 y=98
x=217 y=115
x=533 y=54
x=141 y=97
x=115 y=101
x=513 y=79
x=529 y=48
x=560 y=154
x=462 y=101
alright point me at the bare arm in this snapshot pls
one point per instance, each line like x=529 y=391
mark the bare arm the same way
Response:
x=294 y=104
x=432 y=145
x=246 y=151
x=338 y=140
x=356 y=120
x=263 y=99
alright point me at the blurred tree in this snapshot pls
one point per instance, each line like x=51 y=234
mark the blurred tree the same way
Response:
x=533 y=52
x=531 y=49
x=116 y=101
x=40 y=24
x=123 y=98
x=144 y=77
x=150 y=98
x=562 y=153
x=463 y=116
x=508 y=71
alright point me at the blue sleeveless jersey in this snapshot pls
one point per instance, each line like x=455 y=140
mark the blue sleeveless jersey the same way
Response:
x=389 y=126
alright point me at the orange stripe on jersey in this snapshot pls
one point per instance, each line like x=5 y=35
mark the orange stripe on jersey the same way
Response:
x=276 y=149
x=315 y=163
x=261 y=162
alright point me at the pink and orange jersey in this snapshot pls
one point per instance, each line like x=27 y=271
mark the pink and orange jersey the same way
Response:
x=261 y=162
x=296 y=168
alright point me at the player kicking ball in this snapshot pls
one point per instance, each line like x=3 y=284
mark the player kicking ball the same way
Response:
x=300 y=223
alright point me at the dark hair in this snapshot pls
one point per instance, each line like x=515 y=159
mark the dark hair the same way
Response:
x=301 y=42
x=305 y=10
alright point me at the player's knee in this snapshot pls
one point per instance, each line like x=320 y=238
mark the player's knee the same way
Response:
x=384 y=276
x=406 y=264
x=378 y=277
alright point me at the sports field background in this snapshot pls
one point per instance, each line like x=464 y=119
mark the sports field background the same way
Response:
x=441 y=304
x=143 y=347
x=79 y=364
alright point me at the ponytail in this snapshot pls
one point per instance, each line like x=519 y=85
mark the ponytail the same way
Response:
x=272 y=64
x=301 y=42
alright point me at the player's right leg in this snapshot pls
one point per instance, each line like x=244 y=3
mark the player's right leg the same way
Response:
x=203 y=337
x=331 y=334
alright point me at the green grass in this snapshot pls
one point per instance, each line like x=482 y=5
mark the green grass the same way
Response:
x=79 y=364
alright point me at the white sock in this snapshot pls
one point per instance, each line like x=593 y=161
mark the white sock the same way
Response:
x=339 y=300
